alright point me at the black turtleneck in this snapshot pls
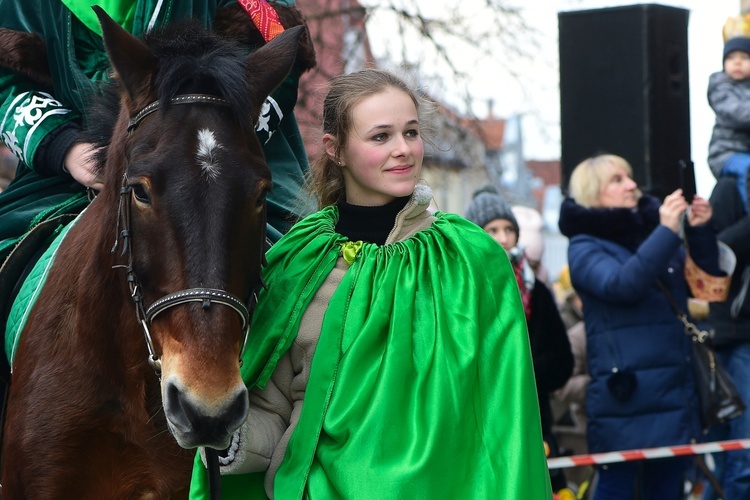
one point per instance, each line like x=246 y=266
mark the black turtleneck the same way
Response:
x=368 y=224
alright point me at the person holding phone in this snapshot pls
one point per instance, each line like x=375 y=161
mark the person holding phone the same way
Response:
x=641 y=394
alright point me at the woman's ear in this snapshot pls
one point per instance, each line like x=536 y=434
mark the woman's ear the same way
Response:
x=329 y=143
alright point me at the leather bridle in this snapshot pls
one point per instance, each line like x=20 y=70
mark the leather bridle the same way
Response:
x=207 y=296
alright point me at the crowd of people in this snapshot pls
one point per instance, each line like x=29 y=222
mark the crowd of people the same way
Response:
x=729 y=160
x=430 y=354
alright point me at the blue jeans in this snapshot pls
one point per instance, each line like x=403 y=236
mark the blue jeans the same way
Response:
x=733 y=467
x=737 y=166
x=661 y=479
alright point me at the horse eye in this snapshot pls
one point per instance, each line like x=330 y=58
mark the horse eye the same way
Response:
x=140 y=193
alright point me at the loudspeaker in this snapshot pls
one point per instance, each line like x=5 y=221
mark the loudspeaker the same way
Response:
x=624 y=90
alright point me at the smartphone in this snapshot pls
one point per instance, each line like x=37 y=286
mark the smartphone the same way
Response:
x=687 y=179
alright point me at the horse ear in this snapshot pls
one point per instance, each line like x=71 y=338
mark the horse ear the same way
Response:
x=269 y=65
x=129 y=57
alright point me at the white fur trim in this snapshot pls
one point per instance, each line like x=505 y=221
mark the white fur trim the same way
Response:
x=232 y=451
x=422 y=194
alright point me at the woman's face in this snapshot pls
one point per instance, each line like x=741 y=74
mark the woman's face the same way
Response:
x=383 y=156
x=503 y=232
x=618 y=190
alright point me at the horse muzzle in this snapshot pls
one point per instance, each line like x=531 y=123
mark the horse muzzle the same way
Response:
x=194 y=422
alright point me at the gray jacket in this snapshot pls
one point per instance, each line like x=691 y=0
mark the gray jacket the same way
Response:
x=730 y=100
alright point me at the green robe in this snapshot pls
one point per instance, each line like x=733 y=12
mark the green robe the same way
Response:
x=29 y=113
x=421 y=385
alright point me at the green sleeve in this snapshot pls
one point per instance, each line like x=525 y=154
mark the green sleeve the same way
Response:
x=27 y=115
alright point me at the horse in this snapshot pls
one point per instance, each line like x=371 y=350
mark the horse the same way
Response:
x=130 y=356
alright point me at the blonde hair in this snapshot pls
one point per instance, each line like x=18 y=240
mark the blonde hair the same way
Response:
x=590 y=176
x=326 y=181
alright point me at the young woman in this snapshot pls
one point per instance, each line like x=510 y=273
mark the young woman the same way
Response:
x=389 y=356
x=641 y=392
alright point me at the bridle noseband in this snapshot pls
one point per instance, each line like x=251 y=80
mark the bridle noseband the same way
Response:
x=207 y=296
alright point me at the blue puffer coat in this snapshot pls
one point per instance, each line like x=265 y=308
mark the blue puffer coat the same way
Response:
x=615 y=258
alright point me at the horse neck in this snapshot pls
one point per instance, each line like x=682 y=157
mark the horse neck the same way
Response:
x=99 y=287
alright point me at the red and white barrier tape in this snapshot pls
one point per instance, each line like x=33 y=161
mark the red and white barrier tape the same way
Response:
x=649 y=453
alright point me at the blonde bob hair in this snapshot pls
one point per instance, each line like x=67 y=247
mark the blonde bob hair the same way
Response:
x=590 y=176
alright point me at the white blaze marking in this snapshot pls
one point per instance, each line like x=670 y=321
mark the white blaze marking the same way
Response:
x=207 y=148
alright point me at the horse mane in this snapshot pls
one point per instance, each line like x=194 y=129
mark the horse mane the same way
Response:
x=100 y=120
x=190 y=55
x=190 y=59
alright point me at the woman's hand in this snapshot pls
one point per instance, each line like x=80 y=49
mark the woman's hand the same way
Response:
x=79 y=161
x=671 y=210
x=700 y=211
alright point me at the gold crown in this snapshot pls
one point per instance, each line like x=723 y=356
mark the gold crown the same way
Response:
x=737 y=26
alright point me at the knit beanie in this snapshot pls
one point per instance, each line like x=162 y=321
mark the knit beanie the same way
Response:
x=487 y=205
x=740 y=43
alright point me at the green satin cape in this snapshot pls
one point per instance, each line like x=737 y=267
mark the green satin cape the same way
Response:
x=421 y=385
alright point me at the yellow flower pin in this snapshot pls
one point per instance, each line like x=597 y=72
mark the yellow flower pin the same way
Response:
x=349 y=250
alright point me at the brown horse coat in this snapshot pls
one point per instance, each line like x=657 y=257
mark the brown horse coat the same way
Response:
x=87 y=416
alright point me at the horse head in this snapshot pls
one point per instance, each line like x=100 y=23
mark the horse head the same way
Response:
x=190 y=178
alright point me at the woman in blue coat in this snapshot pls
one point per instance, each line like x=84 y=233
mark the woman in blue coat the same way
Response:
x=641 y=394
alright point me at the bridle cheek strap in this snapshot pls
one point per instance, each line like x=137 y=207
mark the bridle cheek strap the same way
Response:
x=205 y=295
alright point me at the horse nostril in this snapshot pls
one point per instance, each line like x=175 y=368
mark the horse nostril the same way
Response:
x=207 y=424
x=237 y=411
x=180 y=414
